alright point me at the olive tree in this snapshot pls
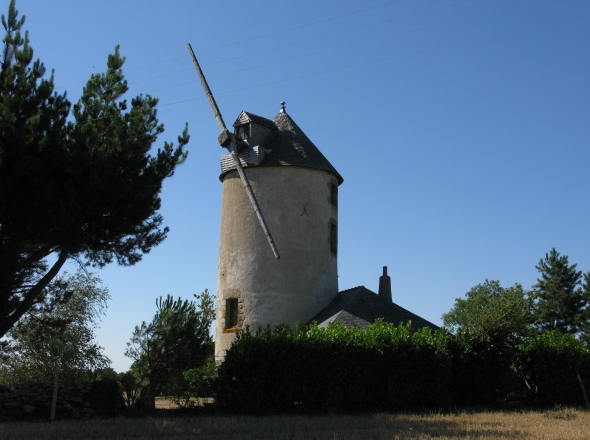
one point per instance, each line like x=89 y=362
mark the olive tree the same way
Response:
x=59 y=330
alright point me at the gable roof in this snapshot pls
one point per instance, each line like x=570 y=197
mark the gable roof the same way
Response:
x=288 y=145
x=359 y=307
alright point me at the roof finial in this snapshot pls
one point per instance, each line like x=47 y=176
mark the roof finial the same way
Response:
x=283 y=107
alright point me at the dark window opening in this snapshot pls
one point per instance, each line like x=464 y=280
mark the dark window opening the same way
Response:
x=334 y=238
x=231 y=312
x=243 y=131
x=334 y=194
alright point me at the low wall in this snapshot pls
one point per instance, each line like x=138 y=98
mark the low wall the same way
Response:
x=74 y=400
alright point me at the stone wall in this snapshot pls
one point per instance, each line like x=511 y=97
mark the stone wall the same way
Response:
x=299 y=206
x=33 y=399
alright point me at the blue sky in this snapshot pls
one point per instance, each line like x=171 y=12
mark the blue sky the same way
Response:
x=461 y=129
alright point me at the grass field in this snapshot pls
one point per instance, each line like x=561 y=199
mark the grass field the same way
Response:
x=561 y=423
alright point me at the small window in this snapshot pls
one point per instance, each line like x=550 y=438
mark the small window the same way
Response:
x=231 y=312
x=334 y=194
x=334 y=238
x=243 y=131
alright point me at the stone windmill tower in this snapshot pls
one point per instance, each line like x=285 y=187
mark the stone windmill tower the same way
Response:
x=275 y=181
x=297 y=190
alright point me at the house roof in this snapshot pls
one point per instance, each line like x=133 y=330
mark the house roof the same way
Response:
x=288 y=145
x=359 y=307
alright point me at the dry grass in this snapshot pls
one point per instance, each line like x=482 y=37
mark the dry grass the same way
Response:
x=164 y=403
x=556 y=424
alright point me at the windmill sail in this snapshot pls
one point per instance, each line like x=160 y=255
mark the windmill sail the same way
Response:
x=228 y=140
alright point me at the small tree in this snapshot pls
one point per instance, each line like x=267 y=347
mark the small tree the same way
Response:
x=488 y=325
x=562 y=304
x=177 y=339
x=130 y=387
x=493 y=312
x=60 y=329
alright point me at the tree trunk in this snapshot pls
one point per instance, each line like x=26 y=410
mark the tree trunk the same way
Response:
x=147 y=399
x=7 y=322
x=55 y=390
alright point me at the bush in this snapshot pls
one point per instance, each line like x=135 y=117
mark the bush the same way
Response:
x=336 y=368
x=106 y=397
x=130 y=387
x=550 y=365
x=481 y=369
x=384 y=367
x=193 y=384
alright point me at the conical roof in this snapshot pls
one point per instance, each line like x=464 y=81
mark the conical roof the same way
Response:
x=288 y=145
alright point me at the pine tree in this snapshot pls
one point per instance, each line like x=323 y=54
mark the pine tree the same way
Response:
x=177 y=339
x=87 y=188
x=561 y=303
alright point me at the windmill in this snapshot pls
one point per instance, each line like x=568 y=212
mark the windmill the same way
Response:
x=291 y=175
x=233 y=144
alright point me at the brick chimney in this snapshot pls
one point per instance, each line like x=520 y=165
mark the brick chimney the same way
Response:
x=385 y=285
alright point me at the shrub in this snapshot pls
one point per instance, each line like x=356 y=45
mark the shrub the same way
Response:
x=336 y=368
x=106 y=397
x=550 y=364
x=481 y=369
x=130 y=387
x=193 y=384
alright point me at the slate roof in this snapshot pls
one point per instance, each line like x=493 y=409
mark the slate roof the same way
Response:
x=256 y=119
x=288 y=145
x=359 y=307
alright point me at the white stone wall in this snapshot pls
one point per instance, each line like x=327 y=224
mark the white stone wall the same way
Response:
x=297 y=206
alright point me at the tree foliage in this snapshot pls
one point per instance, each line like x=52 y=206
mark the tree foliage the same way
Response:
x=84 y=187
x=177 y=339
x=562 y=295
x=488 y=325
x=59 y=330
x=492 y=312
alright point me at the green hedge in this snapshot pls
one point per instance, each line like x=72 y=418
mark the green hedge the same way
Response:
x=482 y=370
x=552 y=366
x=382 y=367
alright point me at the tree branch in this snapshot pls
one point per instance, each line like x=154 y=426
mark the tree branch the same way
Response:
x=33 y=294
x=39 y=254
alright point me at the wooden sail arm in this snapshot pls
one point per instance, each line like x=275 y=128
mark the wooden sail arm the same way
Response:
x=252 y=198
x=229 y=141
x=212 y=102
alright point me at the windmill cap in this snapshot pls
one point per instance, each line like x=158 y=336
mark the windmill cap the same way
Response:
x=290 y=146
x=286 y=144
